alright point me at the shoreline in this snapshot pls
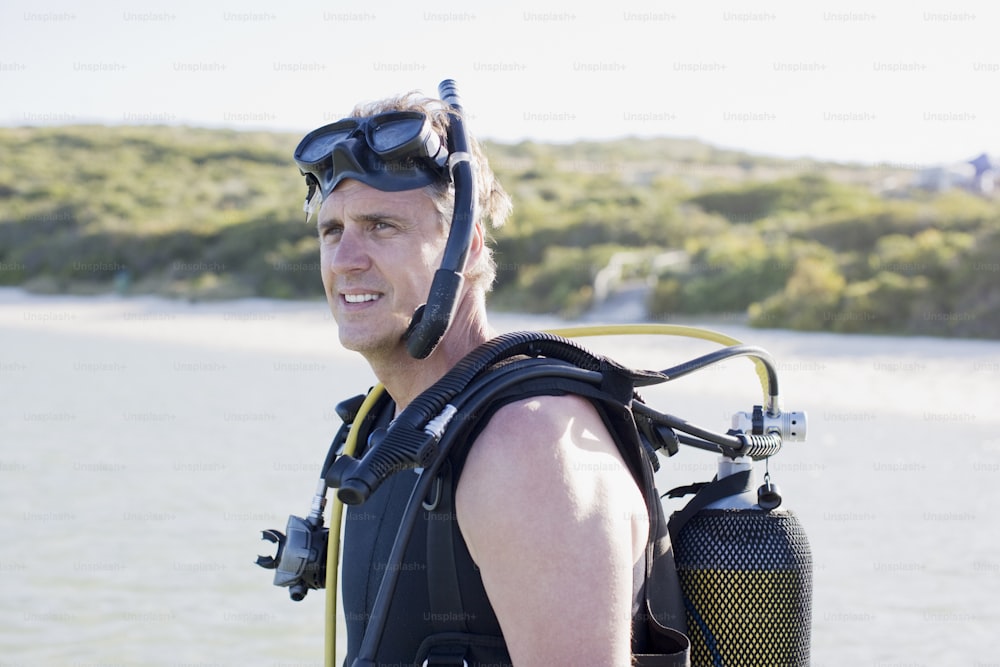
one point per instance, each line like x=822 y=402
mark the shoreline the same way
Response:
x=916 y=378
x=176 y=319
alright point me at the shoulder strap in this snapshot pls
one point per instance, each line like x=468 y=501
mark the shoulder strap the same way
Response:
x=447 y=610
x=717 y=489
x=663 y=614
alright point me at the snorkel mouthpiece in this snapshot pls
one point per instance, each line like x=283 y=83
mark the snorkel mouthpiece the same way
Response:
x=432 y=319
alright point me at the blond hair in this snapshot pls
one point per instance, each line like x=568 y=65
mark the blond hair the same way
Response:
x=492 y=204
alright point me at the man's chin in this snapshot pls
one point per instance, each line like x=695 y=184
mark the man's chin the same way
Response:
x=371 y=344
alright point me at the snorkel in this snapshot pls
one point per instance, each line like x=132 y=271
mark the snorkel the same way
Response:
x=431 y=320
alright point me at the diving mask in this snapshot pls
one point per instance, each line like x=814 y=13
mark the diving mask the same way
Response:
x=390 y=151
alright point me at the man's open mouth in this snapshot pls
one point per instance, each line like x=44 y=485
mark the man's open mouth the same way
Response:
x=361 y=298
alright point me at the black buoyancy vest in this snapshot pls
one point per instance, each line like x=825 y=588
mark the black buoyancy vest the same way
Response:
x=440 y=611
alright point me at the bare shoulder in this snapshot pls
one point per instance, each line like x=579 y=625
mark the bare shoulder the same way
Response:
x=545 y=450
x=520 y=427
x=555 y=522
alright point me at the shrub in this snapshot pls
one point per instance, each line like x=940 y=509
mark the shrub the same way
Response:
x=882 y=304
x=810 y=300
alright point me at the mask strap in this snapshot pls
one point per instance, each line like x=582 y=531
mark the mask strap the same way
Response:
x=455 y=159
x=314 y=198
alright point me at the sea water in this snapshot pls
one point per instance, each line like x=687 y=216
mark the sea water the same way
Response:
x=145 y=444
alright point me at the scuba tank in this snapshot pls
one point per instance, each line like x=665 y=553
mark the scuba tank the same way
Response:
x=745 y=569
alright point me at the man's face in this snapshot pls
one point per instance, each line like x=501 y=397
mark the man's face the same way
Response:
x=378 y=254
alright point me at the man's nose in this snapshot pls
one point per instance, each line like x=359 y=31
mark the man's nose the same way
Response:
x=351 y=253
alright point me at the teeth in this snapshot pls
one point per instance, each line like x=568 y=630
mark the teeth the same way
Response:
x=360 y=298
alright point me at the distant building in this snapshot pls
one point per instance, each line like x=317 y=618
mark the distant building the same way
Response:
x=978 y=175
x=985 y=178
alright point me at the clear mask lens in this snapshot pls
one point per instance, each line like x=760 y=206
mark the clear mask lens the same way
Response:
x=396 y=135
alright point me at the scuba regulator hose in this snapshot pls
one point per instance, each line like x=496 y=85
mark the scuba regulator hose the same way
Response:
x=765 y=369
x=413 y=440
x=333 y=543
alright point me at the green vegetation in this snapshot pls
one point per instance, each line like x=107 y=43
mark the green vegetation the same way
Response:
x=200 y=213
x=175 y=211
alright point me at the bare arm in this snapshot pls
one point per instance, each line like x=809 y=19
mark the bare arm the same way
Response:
x=555 y=523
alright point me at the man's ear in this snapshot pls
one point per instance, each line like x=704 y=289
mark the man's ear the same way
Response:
x=477 y=244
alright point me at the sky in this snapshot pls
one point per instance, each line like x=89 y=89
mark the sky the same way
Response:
x=900 y=83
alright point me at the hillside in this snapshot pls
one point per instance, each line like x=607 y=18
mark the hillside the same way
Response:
x=200 y=213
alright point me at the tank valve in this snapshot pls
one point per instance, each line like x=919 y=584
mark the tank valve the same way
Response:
x=791 y=426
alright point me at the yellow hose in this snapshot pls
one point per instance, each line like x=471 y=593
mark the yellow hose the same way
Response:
x=663 y=330
x=333 y=540
x=337 y=507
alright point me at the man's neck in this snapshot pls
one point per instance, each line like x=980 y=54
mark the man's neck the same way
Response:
x=405 y=378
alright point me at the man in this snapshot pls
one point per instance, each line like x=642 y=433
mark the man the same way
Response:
x=551 y=517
